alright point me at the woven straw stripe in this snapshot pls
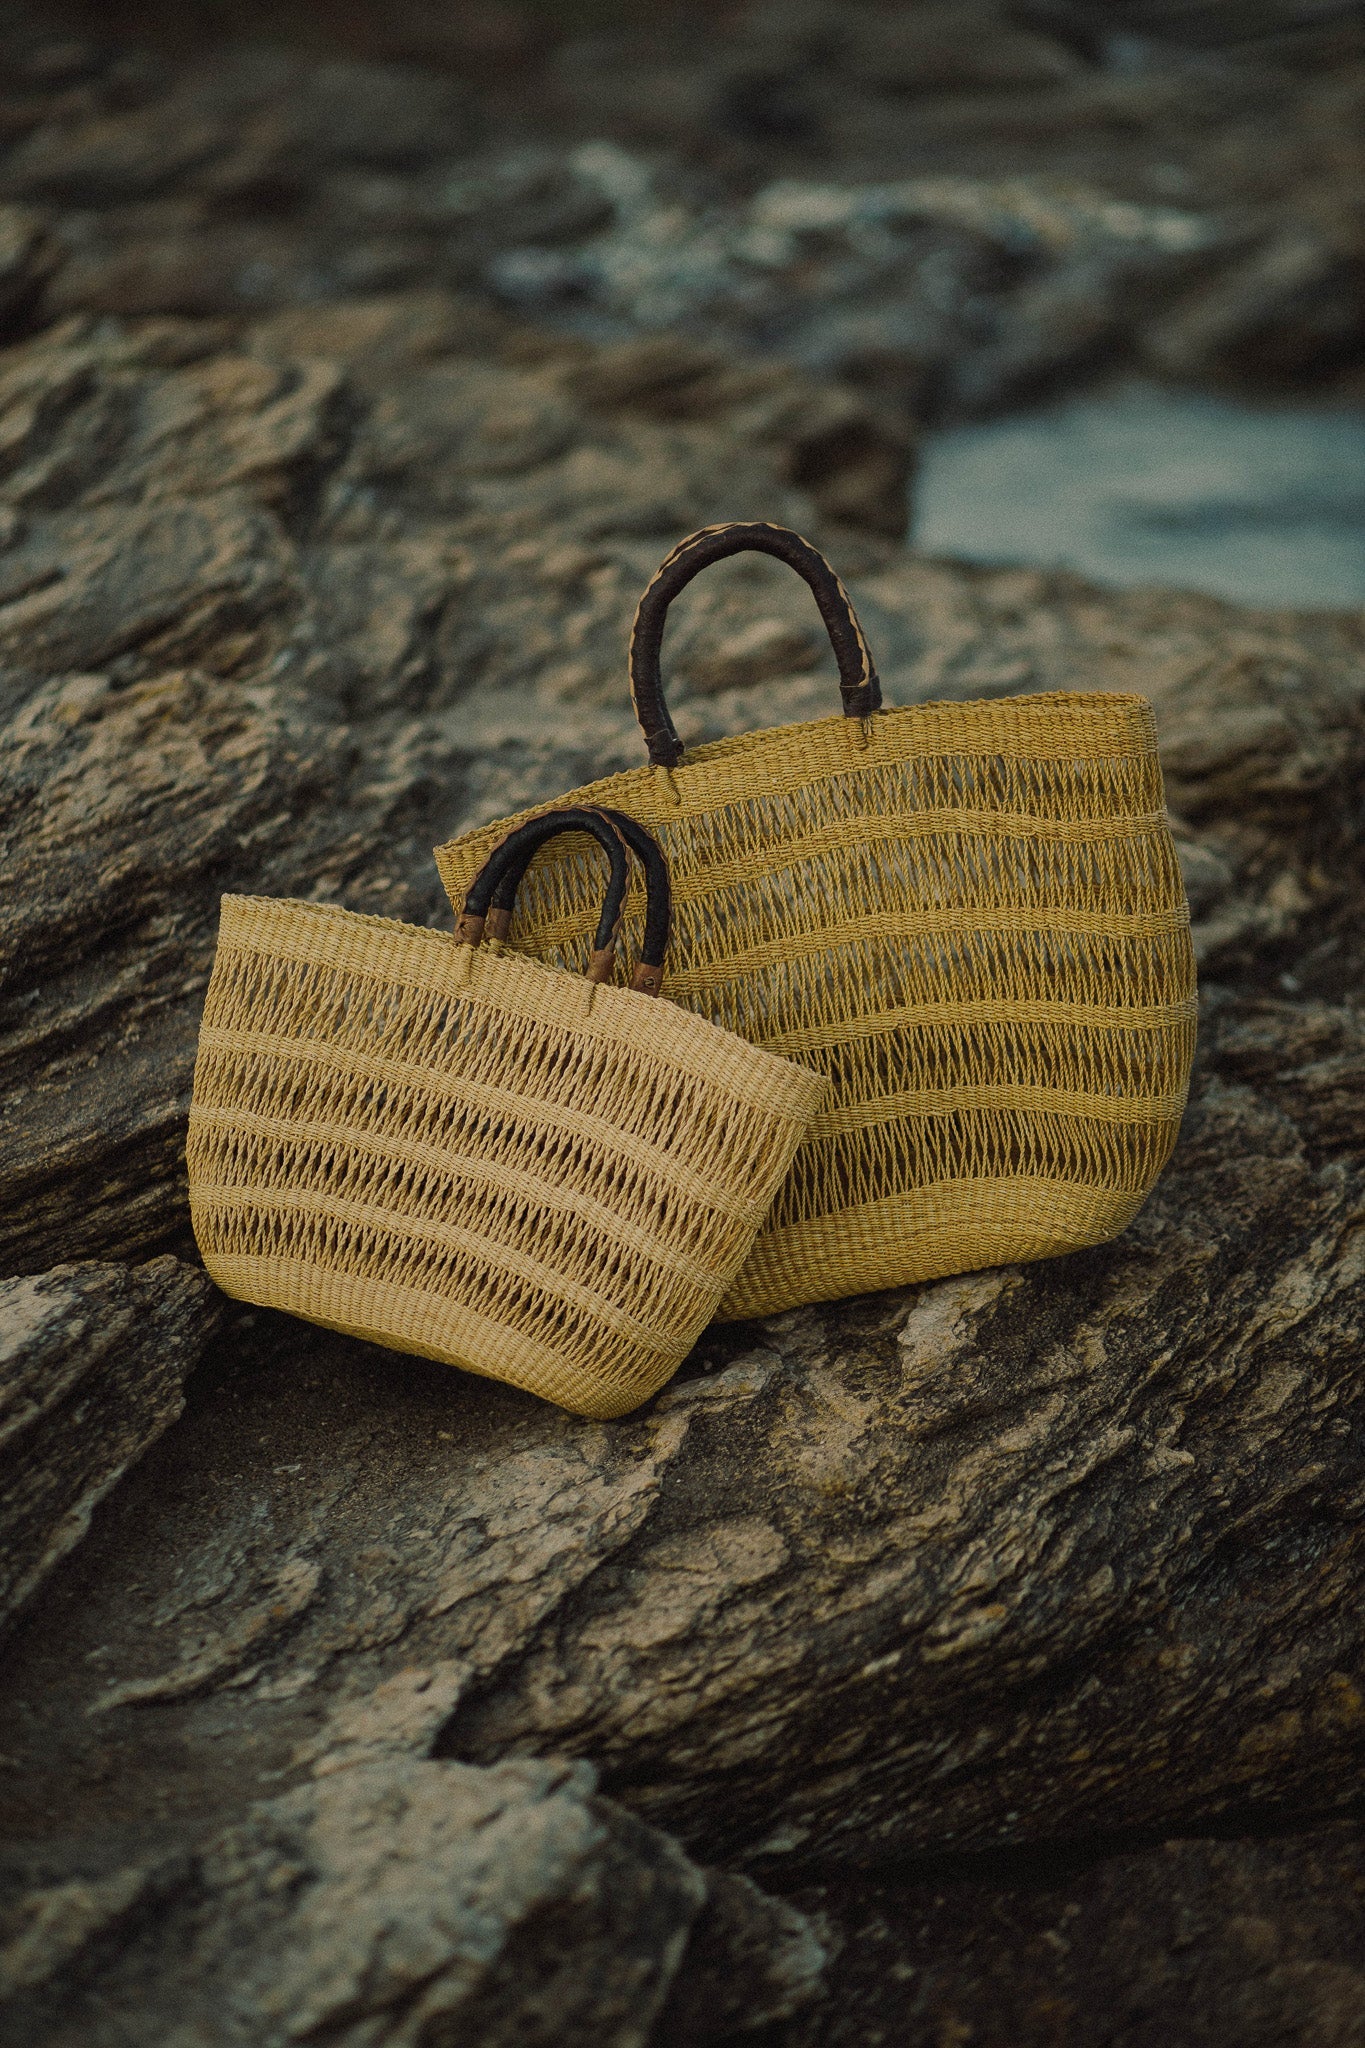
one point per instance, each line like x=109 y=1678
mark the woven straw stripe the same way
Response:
x=397 y=1317
x=619 y=1153
x=350 y=945
x=299 y=1140
x=938 y=924
x=977 y=1013
x=473 y=1156
x=499 y=1251
x=885 y=830
x=939 y=1228
x=1059 y=1102
x=970 y=918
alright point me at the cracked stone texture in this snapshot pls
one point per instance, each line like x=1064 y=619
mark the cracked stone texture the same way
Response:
x=406 y=1902
x=93 y=1362
x=440 y=522
x=1039 y=1552
x=313 y=553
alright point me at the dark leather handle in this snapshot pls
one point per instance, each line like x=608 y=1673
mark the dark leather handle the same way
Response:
x=514 y=853
x=858 y=684
x=648 y=973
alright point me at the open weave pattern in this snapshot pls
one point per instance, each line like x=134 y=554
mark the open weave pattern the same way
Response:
x=474 y=1157
x=971 y=919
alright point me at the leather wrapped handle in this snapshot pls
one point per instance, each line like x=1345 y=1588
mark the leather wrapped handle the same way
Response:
x=648 y=974
x=858 y=683
x=515 y=851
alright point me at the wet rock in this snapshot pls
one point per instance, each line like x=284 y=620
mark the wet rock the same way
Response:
x=93 y=1360
x=252 y=120
x=766 y=648
x=854 y=459
x=1217 y=25
x=960 y=289
x=952 y=49
x=115 y=156
x=402 y=1900
x=1294 y=307
x=293 y=179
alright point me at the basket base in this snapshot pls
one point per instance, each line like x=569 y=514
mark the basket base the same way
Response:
x=955 y=1227
x=392 y=1316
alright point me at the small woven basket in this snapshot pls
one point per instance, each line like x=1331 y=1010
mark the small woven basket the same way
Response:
x=969 y=917
x=457 y=1152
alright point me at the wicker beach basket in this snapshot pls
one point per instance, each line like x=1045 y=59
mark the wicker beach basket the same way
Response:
x=968 y=916
x=458 y=1152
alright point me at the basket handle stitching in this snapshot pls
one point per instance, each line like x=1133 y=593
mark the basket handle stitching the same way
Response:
x=648 y=973
x=858 y=682
x=492 y=894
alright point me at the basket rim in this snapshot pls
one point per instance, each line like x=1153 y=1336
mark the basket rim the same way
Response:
x=710 y=776
x=501 y=979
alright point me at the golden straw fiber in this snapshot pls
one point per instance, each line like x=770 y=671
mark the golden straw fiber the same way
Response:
x=969 y=917
x=464 y=1154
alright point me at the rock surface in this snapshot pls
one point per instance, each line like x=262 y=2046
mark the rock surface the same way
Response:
x=959 y=203
x=249 y=588
x=313 y=552
x=284 y=611
x=1256 y=1942
x=407 y=1902
x=93 y=1363
x=1013 y=1535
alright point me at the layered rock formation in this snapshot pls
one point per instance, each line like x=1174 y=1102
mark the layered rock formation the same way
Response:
x=953 y=203
x=252 y=584
x=312 y=552
x=406 y=1902
x=93 y=1362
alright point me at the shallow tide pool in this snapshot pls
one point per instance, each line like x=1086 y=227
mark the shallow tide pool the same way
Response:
x=1140 y=484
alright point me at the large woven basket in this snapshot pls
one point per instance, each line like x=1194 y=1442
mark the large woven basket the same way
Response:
x=457 y=1152
x=968 y=916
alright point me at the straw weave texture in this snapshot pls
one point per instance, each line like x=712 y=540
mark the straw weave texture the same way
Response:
x=970 y=918
x=467 y=1155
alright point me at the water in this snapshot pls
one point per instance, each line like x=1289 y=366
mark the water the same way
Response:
x=1141 y=484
